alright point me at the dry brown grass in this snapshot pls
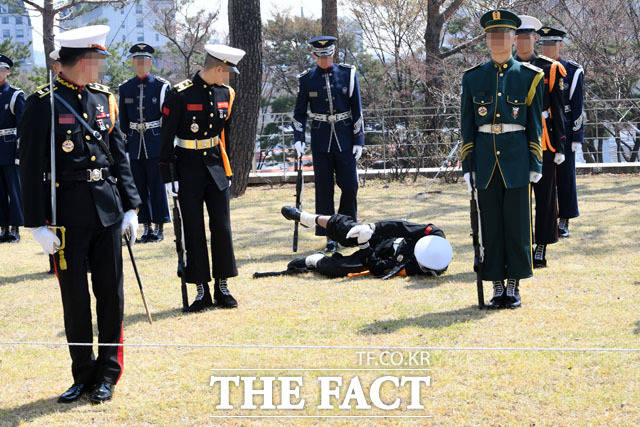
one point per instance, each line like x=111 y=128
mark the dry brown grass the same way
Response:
x=588 y=297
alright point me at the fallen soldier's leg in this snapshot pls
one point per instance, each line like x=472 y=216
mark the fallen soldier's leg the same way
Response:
x=337 y=225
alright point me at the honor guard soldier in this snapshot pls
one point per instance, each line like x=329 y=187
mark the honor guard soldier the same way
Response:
x=386 y=248
x=551 y=40
x=332 y=93
x=501 y=112
x=141 y=100
x=197 y=114
x=553 y=137
x=11 y=107
x=96 y=202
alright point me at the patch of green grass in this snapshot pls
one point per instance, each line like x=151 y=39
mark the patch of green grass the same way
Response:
x=587 y=297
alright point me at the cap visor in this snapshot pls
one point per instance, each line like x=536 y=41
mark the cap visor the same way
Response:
x=234 y=69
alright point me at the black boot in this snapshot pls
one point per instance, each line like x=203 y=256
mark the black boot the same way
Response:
x=539 y=256
x=498 y=295
x=145 y=234
x=332 y=246
x=222 y=296
x=151 y=236
x=291 y=213
x=202 y=300
x=14 y=235
x=4 y=234
x=512 y=298
x=563 y=227
x=157 y=233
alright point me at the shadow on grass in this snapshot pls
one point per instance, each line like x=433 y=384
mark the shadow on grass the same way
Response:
x=31 y=411
x=422 y=282
x=26 y=277
x=436 y=320
x=637 y=329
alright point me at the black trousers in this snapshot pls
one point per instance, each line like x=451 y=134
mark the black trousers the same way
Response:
x=338 y=265
x=343 y=166
x=546 y=231
x=198 y=187
x=10 y=201
x=154 y=207
x=101 y=248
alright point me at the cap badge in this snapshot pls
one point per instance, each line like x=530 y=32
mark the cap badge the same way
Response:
x=546 y=30
x=322 y=42
x=496 y=15
x=140 y=46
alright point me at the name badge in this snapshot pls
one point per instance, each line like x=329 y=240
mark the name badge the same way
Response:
x=194 y=107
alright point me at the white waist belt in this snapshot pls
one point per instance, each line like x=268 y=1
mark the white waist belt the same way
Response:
x=145 y=125
x=331 y=118
x=499 y=128
x=10 y=131
x=197 y=144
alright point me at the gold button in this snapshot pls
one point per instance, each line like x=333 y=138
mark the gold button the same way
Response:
x=501 y=74
x=497 y=115
x=79 y=96
x=497 y=153
x=205 y=134
x=57 y=184
x=194 y=117
x=85 y=115
x=204 y=153
x=69 y=132
x=210 y=126
x=211 y=115
x=499 y=93
x=204 y=86
x=93 y=158
x=211 y=103
x=504 y=66
x=88 y=137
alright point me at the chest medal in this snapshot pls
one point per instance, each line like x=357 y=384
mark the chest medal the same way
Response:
x=515 y=111
x=194 y=127
x=67 y=146
x=482 y=111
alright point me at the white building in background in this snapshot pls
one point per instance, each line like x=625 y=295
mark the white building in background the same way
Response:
x=134 y=23
x=15 y=24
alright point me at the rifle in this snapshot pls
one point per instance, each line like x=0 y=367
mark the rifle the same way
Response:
x=476 y=234
x=299 y=187
x=178 y=232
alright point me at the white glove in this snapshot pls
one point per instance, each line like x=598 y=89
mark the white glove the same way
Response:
x=47 y=239
x=558 y=158
x=299 y=146
x=130 y=224
x=169 y=188
x=467 y=178
x=575 y=146
x=362 y=232
x=357 y=151
x=534 y=176
x=229 y=182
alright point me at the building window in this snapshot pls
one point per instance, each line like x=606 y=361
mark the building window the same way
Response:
x=157 y=37
x=140 y=24
x=19 y=33
x=140 y=37
x=139 y=8
x=6 y=34
x=18 y=20
x=4 y=8
x=5 y=19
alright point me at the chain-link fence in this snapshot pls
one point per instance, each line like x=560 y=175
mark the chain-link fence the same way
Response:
x=403 y=141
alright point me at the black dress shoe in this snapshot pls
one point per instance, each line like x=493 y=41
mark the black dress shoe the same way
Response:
x=13 y=236
x=222 y=296
x=101 y=393
x=291 y=213
x=332 y=246
x=4 y=234
x=203 y=300
x=73 y=393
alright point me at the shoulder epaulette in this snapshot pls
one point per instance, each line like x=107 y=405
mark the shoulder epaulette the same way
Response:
x=471 y=68
x=532 y=67
x=163 y=80
x=546 y=58
x=183 y=85
x=99 y=88
x=574 y=63
x=347 y=66
x=42 y=90
x=303 y=73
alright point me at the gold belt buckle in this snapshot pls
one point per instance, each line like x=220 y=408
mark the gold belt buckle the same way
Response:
x=496 y=128
x=202 y=143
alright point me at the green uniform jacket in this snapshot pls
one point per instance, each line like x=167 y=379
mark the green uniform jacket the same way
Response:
x=494 y=94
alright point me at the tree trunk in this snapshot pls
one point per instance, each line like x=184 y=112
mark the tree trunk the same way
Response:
x=48 y=16
x=245 y=32
x=330 y=18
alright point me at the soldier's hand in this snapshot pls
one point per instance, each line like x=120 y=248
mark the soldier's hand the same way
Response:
x=130 y=225
x=467 y=179
x=575 y=146
x=299 y=146
x=558 y=158
x=362 y=232
x=169 y=186
x=357 y=152
x=534 y=176
x=47 y=239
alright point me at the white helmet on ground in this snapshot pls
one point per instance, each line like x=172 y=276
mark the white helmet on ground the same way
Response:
x=433 y=252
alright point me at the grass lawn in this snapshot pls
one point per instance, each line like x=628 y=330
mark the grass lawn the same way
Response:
x=587 y=297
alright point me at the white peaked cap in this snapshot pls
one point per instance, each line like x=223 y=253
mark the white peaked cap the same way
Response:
x=92 y=36
x=433 y=252
x=55 y=54
x=227 y=54
x=529 y=23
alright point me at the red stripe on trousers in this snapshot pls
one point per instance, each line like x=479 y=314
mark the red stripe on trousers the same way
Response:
x=120 y=356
